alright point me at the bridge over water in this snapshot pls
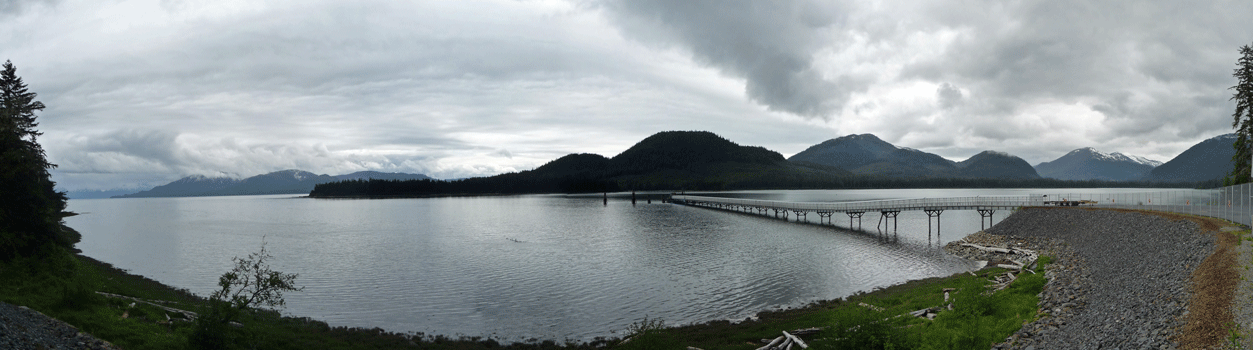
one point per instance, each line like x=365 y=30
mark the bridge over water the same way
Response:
x=889 y=208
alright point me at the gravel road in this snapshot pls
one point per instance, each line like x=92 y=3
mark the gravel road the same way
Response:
x=22 y=328
x=1120 y=281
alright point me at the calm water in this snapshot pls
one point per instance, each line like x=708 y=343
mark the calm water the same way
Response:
x=548 y=267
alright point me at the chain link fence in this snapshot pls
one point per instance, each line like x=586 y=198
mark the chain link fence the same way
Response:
x=1233 y=203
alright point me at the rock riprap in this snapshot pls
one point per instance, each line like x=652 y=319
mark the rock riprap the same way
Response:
x=1119 y=280
x=22 y=328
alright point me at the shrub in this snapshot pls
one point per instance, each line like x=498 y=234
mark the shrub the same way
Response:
x=251 y=284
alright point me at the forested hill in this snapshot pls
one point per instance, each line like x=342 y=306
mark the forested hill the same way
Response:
x=694 y=160
x=682 y=160
x=688 y=149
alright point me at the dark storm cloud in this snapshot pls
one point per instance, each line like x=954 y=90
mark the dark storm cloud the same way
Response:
x=771 y=45
x=1149 y=68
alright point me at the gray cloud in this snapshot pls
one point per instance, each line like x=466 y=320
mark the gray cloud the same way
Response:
x=17 y=7
x=156 y=91
x=770 y=45
x=1139 y=65
x=948 y=95
x=176 y=155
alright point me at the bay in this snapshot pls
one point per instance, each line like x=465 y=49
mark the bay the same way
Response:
x=528 y=267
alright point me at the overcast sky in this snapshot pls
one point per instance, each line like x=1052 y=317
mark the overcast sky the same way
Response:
x=140 y=93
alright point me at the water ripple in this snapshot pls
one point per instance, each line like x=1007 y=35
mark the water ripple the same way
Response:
x=511 y=267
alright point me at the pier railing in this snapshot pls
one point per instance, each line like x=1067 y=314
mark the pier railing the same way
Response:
x=1233 y=203
x=980 y=202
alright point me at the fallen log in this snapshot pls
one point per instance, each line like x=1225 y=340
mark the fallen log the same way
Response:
x=796 y=340
x=1030 y=267
x=776 y=341
x=187 y=314
x=987 y=249
x=1020 y=251
x=806 y=331
x=919 y=313
x=1012 y=277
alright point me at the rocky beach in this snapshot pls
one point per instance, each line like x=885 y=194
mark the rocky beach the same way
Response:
x=1118 y=280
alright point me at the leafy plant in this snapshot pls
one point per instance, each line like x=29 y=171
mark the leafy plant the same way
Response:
x=649 y=334
x=251 y=284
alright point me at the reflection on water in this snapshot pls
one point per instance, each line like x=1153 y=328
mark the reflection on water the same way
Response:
x=551 y=267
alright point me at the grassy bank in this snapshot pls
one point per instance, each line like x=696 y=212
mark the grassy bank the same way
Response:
x=65 y=287
x=874 y=320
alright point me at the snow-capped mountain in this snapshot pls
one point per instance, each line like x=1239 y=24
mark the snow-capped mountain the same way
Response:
x=1090 y=164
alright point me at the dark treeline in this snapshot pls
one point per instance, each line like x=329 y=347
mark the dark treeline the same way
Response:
x=518 y=183
x=501 y=184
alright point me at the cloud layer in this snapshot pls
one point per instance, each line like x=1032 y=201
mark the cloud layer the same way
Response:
x=142 y=92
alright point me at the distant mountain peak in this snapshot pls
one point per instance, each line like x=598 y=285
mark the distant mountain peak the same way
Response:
x=684 y=149
x=1088 y=163
x=996 y=165
x=997 y=153
x=1208 y=160
x=290 y=181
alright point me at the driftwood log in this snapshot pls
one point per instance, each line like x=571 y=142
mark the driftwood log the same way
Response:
x=187 y=314
x=773 y=343
x=806 y=331
x=796 y=340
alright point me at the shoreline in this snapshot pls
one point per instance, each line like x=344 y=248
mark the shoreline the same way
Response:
x=1063 y=273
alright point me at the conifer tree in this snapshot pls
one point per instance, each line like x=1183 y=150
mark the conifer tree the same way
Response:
x=1243 y=117
x=30 y=212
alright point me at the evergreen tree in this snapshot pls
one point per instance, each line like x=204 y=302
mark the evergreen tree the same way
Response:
x=30 y=212
x=1243 y=117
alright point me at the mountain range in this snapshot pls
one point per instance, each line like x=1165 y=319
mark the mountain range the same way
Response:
x=866 y=154
x=670 y=160
x=703 y=160
x=279 y=182
x=1089 y=164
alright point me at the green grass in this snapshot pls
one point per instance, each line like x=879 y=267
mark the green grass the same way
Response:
x=64 y=288
x=977 y=320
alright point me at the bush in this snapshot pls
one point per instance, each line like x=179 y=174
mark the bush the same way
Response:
x=862 y=328
x=649 y=335
x=251 y=284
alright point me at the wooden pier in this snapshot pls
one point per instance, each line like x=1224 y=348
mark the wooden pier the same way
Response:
x=889 y=208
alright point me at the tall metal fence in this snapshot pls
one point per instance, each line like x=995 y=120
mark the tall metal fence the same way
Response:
x=1234 y=203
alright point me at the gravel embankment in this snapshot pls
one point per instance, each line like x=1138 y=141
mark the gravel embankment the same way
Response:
x=22 y=328
x=1120 y=279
